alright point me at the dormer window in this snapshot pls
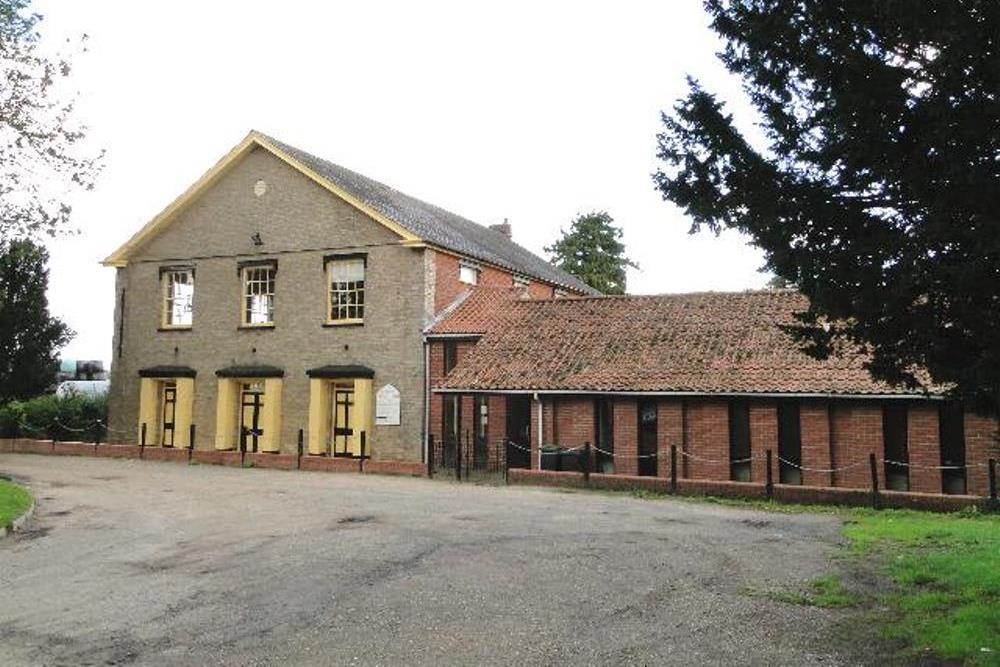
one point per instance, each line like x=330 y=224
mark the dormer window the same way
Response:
x=468 y=273
x=178 y=297
x=521 y=281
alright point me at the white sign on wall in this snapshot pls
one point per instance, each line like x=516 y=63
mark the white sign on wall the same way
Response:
x=387 y=406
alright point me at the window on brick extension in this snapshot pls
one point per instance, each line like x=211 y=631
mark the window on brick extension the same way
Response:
x=450 y=355
x=647 y=437
x=894 y=422
x=739 y=441
x=951 y=428
x=178 y=298
x=468 y=274
x=258 y=295
x=789 y=443
x=346 y=284
x=520 y=281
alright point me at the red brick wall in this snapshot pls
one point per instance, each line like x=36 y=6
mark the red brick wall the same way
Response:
x=814 y=417
x=437 y=374
x=857 y=432
x=763 y=436
x=626 y=435
x=574 y=421
x=669 y=432
x=923 y=445
x=980 y=445
x=707 y=437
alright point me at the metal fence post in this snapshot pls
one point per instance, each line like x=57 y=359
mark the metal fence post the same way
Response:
x=506 y=461
x=298 y=460
x=142 y=439
x=673 y=468
x=586 y=463
x=458 y=458
x=430 y=455
x=769 y=483
x=876 y=500
x=191 y=433
x=361 y=459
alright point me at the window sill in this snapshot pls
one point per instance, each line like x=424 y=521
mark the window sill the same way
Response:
x=188 y=328
x=255 y=327
x=344 y=323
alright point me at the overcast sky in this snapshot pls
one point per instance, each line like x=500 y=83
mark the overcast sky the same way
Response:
x=530 y=111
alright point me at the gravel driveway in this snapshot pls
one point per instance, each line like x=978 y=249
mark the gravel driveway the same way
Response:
x=160 y=563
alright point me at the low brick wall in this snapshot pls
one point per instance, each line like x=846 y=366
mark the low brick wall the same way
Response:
x=279 y=461
x=782 y=493
x=117 y=451
x=330 y=464
x=163 y=454
x=216 y=457
x=395 y=468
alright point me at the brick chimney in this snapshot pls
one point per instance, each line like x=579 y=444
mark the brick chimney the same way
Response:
x=503 y=228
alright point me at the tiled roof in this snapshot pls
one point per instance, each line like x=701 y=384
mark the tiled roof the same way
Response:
x=436 y=225
x=686 y=343
x=476 y=311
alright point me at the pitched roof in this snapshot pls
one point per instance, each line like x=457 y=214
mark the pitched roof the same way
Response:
x=415 y=220
x=435 y=225
x=703 y=343
x=475 y=311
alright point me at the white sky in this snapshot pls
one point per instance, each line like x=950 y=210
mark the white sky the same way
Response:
x=526 y=110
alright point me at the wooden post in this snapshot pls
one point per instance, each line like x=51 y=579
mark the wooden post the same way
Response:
x=506 y=461
x=993 y=480
x=298 y=460
x=191 y=432
x=142 y=439
x=430 y=455
x=458 y=458
x=586 y=463
x=769 y=484
x=673 y=468
x=876 y=500
x=361 y=459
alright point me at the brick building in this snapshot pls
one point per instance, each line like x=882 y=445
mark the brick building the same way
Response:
x=712 y=374
x=282 y=293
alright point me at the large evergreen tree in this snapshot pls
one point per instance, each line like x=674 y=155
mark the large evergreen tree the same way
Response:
x=593 y=252
x=41 y=154
x=30 y=338
x=878 y=190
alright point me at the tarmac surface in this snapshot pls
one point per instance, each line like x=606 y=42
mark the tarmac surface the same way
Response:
x=161 y=563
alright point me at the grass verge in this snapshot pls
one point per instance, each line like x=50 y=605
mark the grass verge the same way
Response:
x=946 y=568
x=14 y=501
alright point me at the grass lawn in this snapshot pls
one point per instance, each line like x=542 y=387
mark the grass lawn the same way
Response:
x=947 y=571
x=14 y=501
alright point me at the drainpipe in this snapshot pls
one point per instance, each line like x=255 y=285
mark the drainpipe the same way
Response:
x=540 y=429
x=427 y=399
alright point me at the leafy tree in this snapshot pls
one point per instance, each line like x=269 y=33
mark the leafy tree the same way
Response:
x=41 y=157
x=591 y=251
x=30 y=338
x=876 y=190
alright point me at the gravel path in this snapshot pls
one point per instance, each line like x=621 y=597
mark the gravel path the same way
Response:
x=160 y=563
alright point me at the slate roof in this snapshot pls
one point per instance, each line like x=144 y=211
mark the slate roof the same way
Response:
x=436 y=225
x=705 y=343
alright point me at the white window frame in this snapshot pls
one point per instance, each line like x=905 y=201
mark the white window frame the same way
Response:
x=559 y=293
x=256 y=275
x=468 y=273
x=520 y=281
x=173 y=306
x=339 y=312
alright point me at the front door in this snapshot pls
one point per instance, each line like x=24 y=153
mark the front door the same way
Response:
x=251 y=403
x=168 y=411
x=519 y=431
x=342 y=424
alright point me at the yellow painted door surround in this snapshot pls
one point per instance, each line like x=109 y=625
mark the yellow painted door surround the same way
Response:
x=166 y=407
x=248 y=410
x=340 y=410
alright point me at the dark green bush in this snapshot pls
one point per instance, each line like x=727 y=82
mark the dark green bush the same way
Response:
x=72 y=417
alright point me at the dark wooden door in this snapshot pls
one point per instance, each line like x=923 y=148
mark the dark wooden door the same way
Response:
x=519 y=431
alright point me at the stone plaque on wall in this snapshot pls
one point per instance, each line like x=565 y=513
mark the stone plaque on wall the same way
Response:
x=387 y=406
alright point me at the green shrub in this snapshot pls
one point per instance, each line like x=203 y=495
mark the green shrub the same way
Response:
x=72 y=417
